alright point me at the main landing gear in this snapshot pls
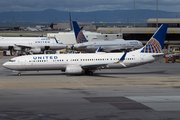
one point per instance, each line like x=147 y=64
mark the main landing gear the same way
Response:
x=88 y=72
x=19 y=74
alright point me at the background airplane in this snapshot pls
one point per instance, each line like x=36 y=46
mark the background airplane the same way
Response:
x=29 y=44
x=89 y=62
x=106 y=46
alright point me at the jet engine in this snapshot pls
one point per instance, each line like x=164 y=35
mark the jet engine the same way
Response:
x=73 y=69
x=35 y=50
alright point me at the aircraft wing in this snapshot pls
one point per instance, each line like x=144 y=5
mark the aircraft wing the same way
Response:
x=83 y=46
x=103 y=65
x=94 y=66
x=22 y=46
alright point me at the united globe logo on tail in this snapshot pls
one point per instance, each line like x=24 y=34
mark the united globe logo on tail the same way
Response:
x=156 y=43
x=153 y=46
x=81 y=38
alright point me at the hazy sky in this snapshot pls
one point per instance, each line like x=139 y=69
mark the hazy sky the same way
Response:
x=87 y=5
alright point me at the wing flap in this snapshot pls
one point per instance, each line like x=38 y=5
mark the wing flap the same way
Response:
x=94 y=66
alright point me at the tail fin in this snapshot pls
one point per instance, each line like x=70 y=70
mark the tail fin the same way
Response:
x=56 y=40
x=98 y=50
x=80 y=38
x=156 y=43
x=122 y=59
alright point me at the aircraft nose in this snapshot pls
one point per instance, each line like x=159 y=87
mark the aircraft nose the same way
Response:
x=5 y=65
x=76 y=46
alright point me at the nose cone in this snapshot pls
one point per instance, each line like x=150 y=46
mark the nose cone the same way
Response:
x=76 y=46
x=62 y=46
x=5 y=65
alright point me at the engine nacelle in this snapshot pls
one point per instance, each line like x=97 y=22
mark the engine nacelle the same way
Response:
x=35 y=50
x=74 y=69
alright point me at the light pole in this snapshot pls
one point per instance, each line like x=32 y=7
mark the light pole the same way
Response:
x=95 y=16
x=115 y=17
x=157 y=13
x=13 y=23
x=134 y=13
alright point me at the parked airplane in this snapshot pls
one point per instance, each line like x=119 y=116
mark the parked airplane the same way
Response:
x=106 y=46
x=89 y=62
x=29 y=44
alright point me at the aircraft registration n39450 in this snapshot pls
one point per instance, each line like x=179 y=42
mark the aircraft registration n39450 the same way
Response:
x=89 y=62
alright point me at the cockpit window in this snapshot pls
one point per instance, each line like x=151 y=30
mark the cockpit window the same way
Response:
x=12 y=60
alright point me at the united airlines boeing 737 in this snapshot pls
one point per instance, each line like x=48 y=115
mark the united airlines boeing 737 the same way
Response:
x=29 y=44
x=89 y=62
x=106 y=46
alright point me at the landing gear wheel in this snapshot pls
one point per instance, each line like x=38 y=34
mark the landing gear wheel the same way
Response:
x=19 y=74
x=90 y=73
x=87 y=72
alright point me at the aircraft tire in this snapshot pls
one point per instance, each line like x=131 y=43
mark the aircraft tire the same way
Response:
x=88 y=72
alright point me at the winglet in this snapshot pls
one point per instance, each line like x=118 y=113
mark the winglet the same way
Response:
x=122 y=59
x=80 y=38
x=98 y=50
x=56 y=40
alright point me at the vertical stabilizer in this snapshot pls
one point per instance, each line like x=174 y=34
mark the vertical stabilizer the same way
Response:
x=156 y=43
x=80 y=38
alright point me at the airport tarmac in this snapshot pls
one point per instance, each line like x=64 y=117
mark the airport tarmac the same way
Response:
x=147 y=92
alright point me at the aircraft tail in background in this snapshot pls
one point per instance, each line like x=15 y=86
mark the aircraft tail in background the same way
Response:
x=80 y=38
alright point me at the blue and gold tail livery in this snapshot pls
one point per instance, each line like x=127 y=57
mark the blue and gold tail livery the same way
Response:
x=80 y=38
x=156 y=43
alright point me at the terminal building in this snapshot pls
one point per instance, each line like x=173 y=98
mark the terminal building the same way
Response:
x=143 y=34
x=69 y=37
x=67 y=26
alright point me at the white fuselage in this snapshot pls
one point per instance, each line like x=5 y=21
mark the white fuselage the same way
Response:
x=30 y=42
x=108 y=46
x=61 y=61
x=78 y=63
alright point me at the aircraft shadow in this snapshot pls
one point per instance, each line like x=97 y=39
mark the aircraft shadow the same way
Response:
x=105 y=74
x=128 y=73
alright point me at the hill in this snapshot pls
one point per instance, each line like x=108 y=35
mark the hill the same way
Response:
x=51 y=15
